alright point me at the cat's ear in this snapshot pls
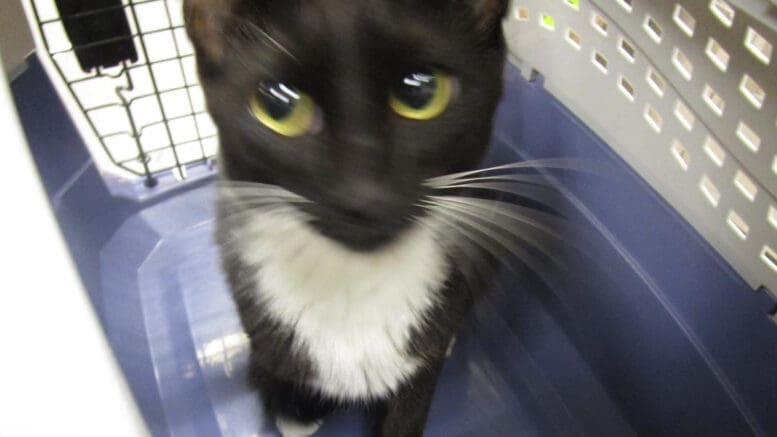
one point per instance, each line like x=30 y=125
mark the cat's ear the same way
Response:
x=490 y=12
x=207 y=23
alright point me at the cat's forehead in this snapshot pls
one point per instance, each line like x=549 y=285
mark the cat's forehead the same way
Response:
x=346 y=22
x=384 y=33
x=223 y=29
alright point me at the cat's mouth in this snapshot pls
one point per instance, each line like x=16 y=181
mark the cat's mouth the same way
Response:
x=361 y=232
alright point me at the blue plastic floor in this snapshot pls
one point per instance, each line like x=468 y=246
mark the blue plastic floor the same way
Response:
x=491 y=386
x=656 y=336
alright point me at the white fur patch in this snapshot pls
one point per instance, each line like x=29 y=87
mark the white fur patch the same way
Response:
x=352 y=311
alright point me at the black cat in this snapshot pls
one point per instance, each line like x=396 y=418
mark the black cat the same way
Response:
x=339 y=120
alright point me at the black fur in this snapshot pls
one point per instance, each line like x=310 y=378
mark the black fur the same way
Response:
x=363 y=170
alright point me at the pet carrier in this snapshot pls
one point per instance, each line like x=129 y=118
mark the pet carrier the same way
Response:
x=668 y=330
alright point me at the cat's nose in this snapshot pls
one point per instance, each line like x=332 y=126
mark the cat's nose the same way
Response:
x=370 y=199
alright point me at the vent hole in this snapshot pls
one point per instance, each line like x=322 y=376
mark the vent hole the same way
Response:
x=626 y=4
x=653 y=29
x=714 y=151
x=758 y=46
x=684 y=20
x=773 y=217
x=718 y=55
x=752 y=91
x=723 y=11
x=710 y=191
x=548 y=21
x=600 y=62
x=748 y=137
x=627 y=88
x=738 y=225
x=713 y=100
x=656 y=82
x=683 y=64
x=746 y=186
x=654 y=119
x=627 y=50
x=599 y=23
x=684 y=115
x=681 y=154
x=574 y=39
x=769 y=257
x=522 y=13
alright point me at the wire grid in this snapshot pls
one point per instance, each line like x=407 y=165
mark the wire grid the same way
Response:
x=149 y=115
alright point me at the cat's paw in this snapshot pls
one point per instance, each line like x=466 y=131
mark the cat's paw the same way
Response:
x=290 y=428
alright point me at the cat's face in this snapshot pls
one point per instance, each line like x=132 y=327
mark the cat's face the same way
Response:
x=351 y=104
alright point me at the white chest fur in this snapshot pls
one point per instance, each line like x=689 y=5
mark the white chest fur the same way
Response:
x=352 y=312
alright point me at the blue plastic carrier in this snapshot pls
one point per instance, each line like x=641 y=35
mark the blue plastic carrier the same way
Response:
x=669 y=329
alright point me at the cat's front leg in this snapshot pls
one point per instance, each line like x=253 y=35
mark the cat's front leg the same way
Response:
x=298 y=411
x=404 y=414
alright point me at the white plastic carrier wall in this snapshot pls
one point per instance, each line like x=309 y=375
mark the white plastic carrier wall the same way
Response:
x=685 y=92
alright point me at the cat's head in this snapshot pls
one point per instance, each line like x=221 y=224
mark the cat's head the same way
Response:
x=351 y=104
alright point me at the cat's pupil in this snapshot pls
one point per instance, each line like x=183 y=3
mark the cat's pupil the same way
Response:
x=417 y=90
x=278 y=99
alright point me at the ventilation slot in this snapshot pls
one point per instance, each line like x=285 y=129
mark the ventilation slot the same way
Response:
x=752 y=91
x=626 y=4
x=627 y=50
x=773 y=217
x=653 y=29
x=599 y=23
x=748 y=137
x=626 y=87
x=681 y=155
x=656 y=82
x=684 y=20
x=710 y=191
x=758 y=46
x=684 y=115
x=723 y=11
x=683 y=64
x=522 y=13
x=574 y=39
x=713 y=100
x=600 y=62
x=718 y=55
x=769 y=257
x=746 y=186
x=714 y=151
x=738 y=225
x=654 y=119
x=547 y=21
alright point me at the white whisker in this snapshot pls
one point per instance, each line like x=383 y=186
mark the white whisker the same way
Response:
x=580 y=165
x=540 y=220
x=511 y=178
x=495 y=235
x=262 y=34
x=484 y=238
x=543 y=195
x=511 y=230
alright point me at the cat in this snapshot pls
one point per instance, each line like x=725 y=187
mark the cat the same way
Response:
x=335 y=117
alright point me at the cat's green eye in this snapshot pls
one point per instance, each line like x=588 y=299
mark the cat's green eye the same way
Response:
x=422 y=95
x=283 y=109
